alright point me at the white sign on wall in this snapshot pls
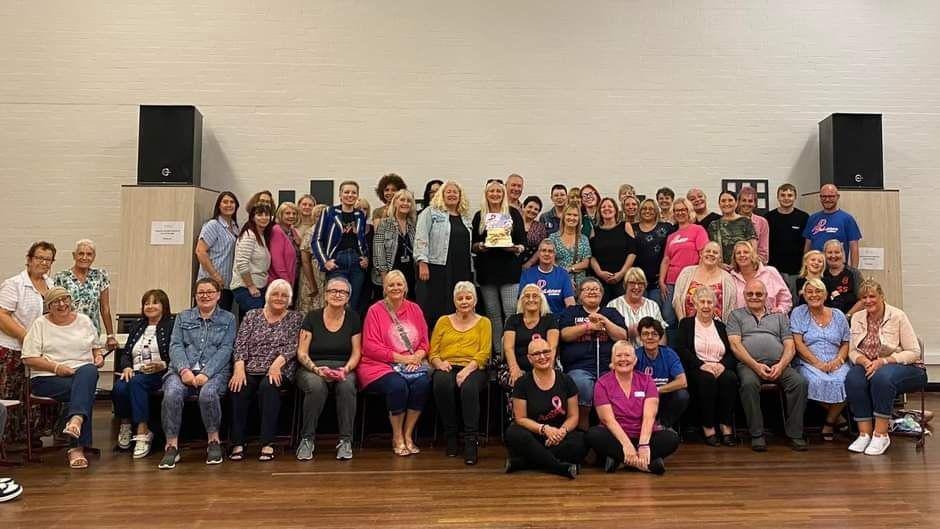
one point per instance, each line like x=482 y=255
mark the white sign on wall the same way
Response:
x=167 y=232
x=871 y=258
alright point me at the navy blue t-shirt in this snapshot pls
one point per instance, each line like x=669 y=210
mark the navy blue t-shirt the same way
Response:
x=591 y=352
x=556 y=285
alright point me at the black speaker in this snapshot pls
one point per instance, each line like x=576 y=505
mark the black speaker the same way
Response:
x=169 y=147
x=850 y=151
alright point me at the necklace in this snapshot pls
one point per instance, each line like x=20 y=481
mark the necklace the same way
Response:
x=819 y=320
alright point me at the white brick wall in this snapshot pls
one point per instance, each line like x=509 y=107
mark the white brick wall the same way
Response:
x=647 y=92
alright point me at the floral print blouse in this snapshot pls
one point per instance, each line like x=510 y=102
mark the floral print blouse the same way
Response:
x=259 y=343
x=86 y=294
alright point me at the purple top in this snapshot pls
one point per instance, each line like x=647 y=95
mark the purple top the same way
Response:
x=259 y=343
x=628 y=409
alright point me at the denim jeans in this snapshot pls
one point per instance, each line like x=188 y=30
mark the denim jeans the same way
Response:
x=655 y=295
x=246 y=301
x=175 y=394
x=499 y=301
x=132 y=398
x=316 y=389
x=347 y=266
x=401 y=393
x=585 y=381
x=875 y=396
x=669 y=313
x=77 y=390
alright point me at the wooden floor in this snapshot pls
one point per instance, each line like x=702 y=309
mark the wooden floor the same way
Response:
x=704 y=487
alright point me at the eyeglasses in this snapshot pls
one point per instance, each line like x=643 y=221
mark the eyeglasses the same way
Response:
x=337 y=292
x=491 y=180
x=544 y=353
x=636 y=284
x=206 y=293
x=44 y=260
x=62 y=301
x=680 y=210
x=591 y=290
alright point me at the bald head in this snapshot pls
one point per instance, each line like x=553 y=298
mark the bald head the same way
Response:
x=829 y=197
x=755 y=294
x=538 y=344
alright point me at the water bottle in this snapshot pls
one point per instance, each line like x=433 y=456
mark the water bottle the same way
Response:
x=145 y=355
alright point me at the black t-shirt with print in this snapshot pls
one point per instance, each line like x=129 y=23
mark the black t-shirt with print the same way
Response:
x=524 y=335
x=546 y=407
x=350 y=237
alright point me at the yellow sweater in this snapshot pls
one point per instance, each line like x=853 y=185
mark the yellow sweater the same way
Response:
x=459 y=348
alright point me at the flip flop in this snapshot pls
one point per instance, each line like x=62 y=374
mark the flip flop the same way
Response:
x=266 y=456
x=237 y=453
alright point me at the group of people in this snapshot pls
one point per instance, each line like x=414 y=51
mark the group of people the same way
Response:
x=603 y=320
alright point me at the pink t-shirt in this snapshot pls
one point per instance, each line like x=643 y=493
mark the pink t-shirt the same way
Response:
x=381 y=339
x=628 y=409
x=708 y=344
x=682 y=248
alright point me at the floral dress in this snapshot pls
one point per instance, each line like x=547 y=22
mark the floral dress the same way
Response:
x=566 y=256
x=86 y=294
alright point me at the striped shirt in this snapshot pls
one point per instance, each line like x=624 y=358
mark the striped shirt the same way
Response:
x=221 y=242
x=632 y=317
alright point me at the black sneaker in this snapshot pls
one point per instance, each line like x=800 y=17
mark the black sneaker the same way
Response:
x=470 y=451
x=758 y=444
x=514 y=464
x=573 y=471
x=214 y=453
x=170 y=458
x=611 y=465
x=799 y=445
x=452 y=445
x=657 y=466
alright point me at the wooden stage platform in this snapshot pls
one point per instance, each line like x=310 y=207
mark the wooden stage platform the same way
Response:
x=826 y=487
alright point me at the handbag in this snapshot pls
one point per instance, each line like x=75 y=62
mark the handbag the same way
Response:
x=399 y=367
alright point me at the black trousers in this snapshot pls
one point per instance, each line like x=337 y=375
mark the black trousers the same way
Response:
x=715 y=396
x=529 y=447
x=269 y=398
x=445 y=397
x=662 y=443
x=671 y=407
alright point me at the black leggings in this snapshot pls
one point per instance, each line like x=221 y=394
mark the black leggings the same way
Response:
x=445 y=396
x=662 y=443
x=269 y=398
x=715 y=396
x=529 y=447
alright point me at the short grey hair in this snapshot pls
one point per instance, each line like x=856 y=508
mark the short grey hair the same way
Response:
x=86 y=242
x=465 y=286
x=279 y=284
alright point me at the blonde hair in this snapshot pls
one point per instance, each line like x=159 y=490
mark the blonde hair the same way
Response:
x=463 y=206
x=870 y=285
x=626 y=188
x=308 y=221
x=392 y=205
x=363 y=204
x=317 y=212
x=580 y=220
x=651 y=202
x=485 y=205
x=806 y=256
x=282 y=209
x=688 y=204
x=816 y=283
x=543 y=301
x=635 y=275
x=393 y=274
x=755 y=260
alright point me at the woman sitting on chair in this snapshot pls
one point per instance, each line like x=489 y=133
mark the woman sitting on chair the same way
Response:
x=265 y=351
x=61 y=350
x=887 y=361
x=461 y=345
x=142 y=363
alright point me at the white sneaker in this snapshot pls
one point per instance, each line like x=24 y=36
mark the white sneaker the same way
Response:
x=124 y=436
x=860 y=443
x=142 y=445
x=878 y=445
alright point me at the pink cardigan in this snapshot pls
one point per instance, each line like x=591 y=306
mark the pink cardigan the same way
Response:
x=762 y=228
x=283 y=257
x=778 y=298
x=380 y=339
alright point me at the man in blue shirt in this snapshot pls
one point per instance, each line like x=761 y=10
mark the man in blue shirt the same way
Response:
x=552 y=218
x=832 y=223
x=662 y=364
x=554 y=281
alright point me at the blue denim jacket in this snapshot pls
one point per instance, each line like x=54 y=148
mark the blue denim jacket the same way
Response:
x=432 y=236
x=203 y=346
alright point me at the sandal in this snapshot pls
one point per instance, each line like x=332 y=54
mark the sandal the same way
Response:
x=267 y=453
x=79 y=461
x=401 y=450
x=412 y=448
x=830 y=435
x=72 y=429
x=237 y=453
